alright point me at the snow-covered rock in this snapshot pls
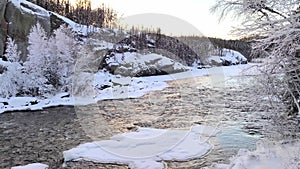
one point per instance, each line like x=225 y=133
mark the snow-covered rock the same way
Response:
x=135 y=65
x=228 y=57
x=25 y=15
x=146 y=148
x=32 y=166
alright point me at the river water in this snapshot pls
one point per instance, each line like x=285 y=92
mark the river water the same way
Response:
x=235 y=105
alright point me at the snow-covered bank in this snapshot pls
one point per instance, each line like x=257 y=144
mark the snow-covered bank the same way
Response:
x=105 y=86
x=280 y=155
x=32 y=166
x=146 y=148
x=108 y=86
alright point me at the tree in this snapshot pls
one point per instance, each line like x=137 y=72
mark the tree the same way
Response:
x=38 y=53
x=50 y=60
x=11 y=53
x=276 y=23
x=64 y=57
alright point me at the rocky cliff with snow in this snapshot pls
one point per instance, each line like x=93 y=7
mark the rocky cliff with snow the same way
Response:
x=16 y=19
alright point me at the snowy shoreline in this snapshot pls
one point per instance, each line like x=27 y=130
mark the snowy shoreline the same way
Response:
x=126 y=87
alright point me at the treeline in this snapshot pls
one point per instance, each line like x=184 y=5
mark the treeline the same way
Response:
x=81 y=12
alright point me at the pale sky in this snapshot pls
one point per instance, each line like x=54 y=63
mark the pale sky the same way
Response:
x=193 y=16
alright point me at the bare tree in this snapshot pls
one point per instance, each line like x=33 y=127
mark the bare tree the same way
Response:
x=276 y=23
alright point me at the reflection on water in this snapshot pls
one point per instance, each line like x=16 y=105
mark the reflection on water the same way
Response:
x=237 y=106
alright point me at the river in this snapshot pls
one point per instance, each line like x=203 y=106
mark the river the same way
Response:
x=235 y=105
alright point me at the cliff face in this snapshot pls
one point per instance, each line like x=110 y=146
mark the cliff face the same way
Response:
x=16 y=22
x=3 y=24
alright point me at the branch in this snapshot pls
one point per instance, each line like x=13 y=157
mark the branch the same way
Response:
x=273 y=11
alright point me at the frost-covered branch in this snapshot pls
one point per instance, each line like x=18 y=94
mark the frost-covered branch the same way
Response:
x=276 y=24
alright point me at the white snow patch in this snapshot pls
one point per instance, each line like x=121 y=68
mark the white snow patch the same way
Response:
x=80 y=29
x=32 y=166
x=32 y=103
x=145 y=148
x=32 y=8
x=280 y=155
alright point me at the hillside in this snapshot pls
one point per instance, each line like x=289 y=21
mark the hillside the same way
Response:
x=26 y=14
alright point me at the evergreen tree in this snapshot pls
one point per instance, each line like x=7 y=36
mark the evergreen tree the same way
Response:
x=51 y=60
x=11 y=53
x=38 y=49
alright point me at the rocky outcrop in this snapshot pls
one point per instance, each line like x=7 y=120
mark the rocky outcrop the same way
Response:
x=16 y=23
x=151 y=43
x=3 y=24
x=137 y=65
x=20 y=23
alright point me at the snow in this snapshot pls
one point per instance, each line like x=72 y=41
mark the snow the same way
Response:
x=133 y=88
x=85 y=30
x=33 y=9
x=32 y=166
x=32 y=103
x=119 y=87
x=80 y=29
x=39 y=11
x=103 y=45
x=278 y=155
x=134 y=63
x=230 y=56
x=146 y=147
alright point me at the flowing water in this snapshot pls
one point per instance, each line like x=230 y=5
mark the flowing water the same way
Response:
x=235 y=105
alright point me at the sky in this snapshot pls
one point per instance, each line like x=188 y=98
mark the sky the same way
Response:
x=175 y=17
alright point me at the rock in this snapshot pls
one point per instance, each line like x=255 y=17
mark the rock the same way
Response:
x=55 y=22
x=138 y=65
x=17 y=24
x=20 y=23
x=154 y=43
x=3 y=24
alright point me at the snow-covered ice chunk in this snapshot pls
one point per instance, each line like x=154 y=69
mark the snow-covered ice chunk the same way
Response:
x=32 y=166
x=146 y=147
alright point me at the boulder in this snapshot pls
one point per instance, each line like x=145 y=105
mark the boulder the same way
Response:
x=138 y=65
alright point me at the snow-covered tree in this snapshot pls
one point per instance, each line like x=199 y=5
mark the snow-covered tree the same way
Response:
x=11 y=53
x=15 y=81
x=38 y=54
x=8 y=87
x=64 y=46
x=276 y=23
x=51 y=60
